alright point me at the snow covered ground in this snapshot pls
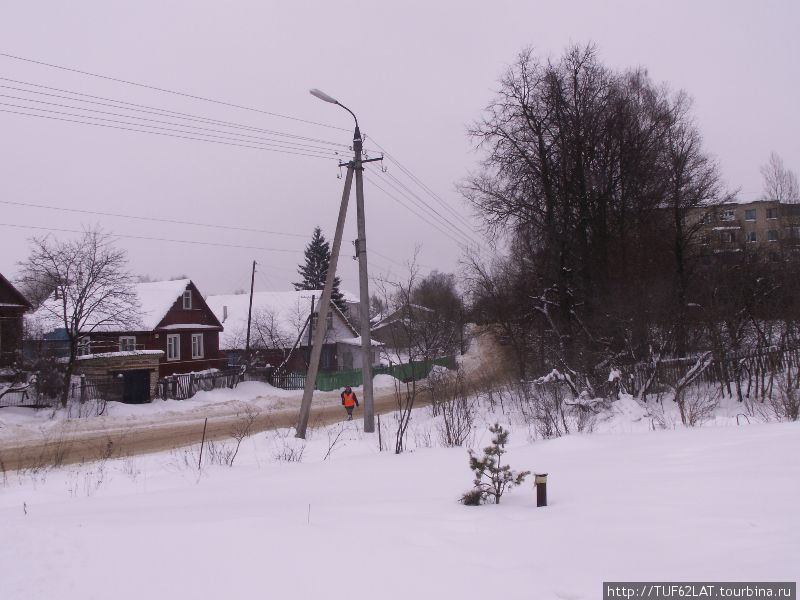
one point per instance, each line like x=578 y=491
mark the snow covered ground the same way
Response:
x=21 y=424
x=348 y=522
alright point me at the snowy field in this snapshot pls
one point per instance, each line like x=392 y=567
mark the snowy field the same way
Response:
x=347 y=522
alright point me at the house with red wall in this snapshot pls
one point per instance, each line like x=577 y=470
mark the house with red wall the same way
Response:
x=172 y=317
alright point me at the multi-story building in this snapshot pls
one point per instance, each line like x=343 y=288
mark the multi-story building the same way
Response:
x=763 y=230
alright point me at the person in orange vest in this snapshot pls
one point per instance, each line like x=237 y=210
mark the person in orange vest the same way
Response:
x=349 y=401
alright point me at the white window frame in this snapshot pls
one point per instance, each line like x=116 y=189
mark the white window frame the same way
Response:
x=773 y=211
x=752 y=236
x=187 y=300
x=727 y=215
x=84 y=345
x=197 y=348
x=125 y=340
x=750 y=210
x=769 y=235
x=176 y=355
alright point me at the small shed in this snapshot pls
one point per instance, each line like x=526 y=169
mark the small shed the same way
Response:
x=129 y=377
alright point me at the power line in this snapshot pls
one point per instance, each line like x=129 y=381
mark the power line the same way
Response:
x=204 y=135
x=154 y=219
x=168 y=91
x=422 y=185
x=184 y=137
x=459 y=243
x=271 y=141
x=465 y=234
x=156 y=239
x=421 y=206
x=154 y=110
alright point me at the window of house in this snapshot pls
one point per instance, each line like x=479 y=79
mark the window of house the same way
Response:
x=727 y=215
x=706 y=239
x=187 y=300
x=727 y=237
x=772 y=235
x=752 y=236
x=84 y=346
x=750 y=214
x=772 y=213
x=706 y=220
x=774 y=256
x=197 y=345
x=173 y=346
x=794 y=232
x=127 y=343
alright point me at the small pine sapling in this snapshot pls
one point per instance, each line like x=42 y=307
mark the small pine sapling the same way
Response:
x=492 y=478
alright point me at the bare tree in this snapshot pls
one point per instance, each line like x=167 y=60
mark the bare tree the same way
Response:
x=780 y=183
x=92 y=288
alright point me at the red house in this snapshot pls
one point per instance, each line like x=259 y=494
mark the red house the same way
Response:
x=12 y=306
x=173 y=317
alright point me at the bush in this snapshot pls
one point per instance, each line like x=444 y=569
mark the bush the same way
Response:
x=472 y=498
x=492 y=478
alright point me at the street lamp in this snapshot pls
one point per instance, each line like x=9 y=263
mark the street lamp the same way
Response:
x=355 y=166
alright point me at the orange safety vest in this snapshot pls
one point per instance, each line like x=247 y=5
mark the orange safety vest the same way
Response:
x=349 y=399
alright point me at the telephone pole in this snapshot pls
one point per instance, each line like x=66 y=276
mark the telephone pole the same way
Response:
x=250 y=312
x=355 y=166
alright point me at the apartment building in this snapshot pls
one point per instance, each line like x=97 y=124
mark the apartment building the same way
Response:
x=762 y=230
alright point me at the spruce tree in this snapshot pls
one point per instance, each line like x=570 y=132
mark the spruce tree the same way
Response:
x=315 y=269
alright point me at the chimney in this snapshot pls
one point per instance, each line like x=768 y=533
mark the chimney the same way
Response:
x=224 y=313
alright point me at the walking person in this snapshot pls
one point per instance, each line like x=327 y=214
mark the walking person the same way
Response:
x=349 y=401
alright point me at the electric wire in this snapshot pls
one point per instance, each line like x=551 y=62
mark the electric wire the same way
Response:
x=156 y=239
x=168 y=91
x=464 y=239
x=154 y=110
x=184 y=137
x=271 y=141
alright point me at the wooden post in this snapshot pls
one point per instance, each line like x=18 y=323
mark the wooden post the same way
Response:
x=540 y=483
x=380 y=442
x=83 y=387
x=202 y=442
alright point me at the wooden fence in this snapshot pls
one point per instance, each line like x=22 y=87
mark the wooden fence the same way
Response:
x=183 y=387
x=746 y=374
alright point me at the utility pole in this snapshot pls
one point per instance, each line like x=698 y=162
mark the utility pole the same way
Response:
x=250 y=312
x=355 y=166
x=363 y=285
x=324 y=308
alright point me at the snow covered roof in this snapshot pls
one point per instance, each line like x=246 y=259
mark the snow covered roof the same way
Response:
x=155 y=298
x=356 y=341
x=278 y=317
x=350 y=297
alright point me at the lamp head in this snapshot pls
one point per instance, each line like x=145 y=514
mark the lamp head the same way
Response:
x=323 y=96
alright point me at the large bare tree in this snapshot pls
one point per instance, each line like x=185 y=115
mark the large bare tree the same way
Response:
x=91 y=288
x=780 y=183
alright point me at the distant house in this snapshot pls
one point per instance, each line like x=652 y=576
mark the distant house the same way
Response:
x=12 y=306
x=393 y=329
x=280 y=334
x=173 y=318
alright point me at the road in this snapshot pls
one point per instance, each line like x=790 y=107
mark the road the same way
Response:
x=81 y=446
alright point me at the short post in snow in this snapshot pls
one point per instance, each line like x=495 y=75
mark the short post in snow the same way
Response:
x=540 y=483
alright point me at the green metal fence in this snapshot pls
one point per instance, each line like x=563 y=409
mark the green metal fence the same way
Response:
x=334 y=380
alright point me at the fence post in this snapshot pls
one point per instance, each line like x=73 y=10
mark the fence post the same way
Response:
x=190 y=393
x=83 y=387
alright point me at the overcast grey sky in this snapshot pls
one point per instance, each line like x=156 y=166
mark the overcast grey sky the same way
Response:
x=416 y=73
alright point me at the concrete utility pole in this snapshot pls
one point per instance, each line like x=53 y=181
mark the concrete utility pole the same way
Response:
x=324 y=308
x=363 y=288
x=355 y=166
x=250 y=312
